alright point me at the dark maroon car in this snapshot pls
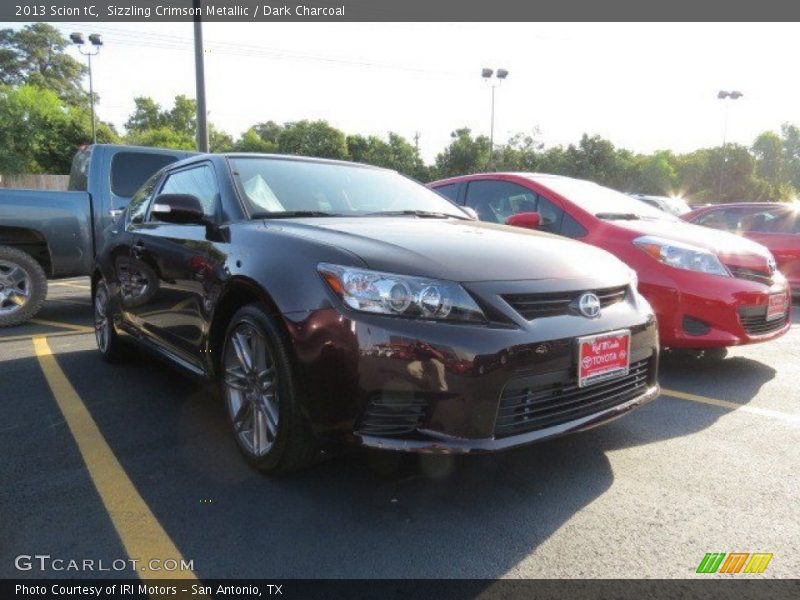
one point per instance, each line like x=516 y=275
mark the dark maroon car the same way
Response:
x=335 y=301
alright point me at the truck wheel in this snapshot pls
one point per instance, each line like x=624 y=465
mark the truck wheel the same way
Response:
x=23 y=286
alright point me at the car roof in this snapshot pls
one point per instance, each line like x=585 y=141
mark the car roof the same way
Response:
x=748 y=205
x=542 y=177
x=288 y=157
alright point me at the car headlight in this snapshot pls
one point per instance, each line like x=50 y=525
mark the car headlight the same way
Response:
x=401 y=295
x=682 y=256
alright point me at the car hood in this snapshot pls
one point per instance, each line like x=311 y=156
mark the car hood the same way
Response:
x=458 y=250
x=726 y=245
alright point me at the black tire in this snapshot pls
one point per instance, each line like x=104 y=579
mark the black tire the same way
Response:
x=111 y=347
x=715 y=353
x=293 y=445
x=34 y=286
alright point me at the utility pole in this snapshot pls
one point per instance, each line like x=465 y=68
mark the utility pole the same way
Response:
x=416 y=140
x=96 y=41
x=200 y=81
x=494 y=83
x=722 y=95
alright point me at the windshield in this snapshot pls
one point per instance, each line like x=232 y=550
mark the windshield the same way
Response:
x=602 y=201
x=275 y=186
x=679 y=206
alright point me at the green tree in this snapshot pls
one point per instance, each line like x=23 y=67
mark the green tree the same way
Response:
x=35 y=55
x=464 y=155
x=312 y=138
x=654 y=174
x=39 y=133
x=772 y=164
x=161 y=137
x=596 y=159
x=218 y=140
x=147 y=114
x=398 y=154
x=262 y=137
x=521 y=153
x=150 y=124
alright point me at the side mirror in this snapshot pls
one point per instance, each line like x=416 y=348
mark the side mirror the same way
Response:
x=177 y=208
x=529 y=220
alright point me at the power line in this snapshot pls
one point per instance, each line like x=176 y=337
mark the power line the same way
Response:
x=181 y=43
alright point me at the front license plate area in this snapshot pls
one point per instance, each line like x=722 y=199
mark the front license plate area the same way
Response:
x=776 y=307
x=603 y=357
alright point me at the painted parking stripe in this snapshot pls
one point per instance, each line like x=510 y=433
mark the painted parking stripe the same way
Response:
x=60 y=325
x=764 y=412
x=142 y=535
x=19 y=338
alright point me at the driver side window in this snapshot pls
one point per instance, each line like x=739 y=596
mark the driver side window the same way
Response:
x=137 y=208
x=199 y=182
x=495 y=201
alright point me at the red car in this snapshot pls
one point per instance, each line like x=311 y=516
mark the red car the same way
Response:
x=777 y=226
x=709 y=289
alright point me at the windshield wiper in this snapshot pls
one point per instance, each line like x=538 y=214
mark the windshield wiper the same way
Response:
x=289 y=214
x=424 y=214
x=618 y=216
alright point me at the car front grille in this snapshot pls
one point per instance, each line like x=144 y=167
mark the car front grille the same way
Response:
x=524 y=408
x=392 y=414
x=552 y=304
x=750 y=274
x=754 y=320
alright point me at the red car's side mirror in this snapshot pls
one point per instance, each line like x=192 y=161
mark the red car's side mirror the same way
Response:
x=529 y=220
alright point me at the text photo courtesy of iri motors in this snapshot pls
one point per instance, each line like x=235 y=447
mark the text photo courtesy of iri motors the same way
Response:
x=369 y=300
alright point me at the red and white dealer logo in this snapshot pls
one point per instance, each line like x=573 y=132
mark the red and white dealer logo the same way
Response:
x=603 y=357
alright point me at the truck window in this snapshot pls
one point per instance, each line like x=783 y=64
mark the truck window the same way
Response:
x=129 y=170
x=79 y=169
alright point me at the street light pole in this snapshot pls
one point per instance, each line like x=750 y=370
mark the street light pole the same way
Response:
x=96 y=41
x=723 y=95
x=494 y=83
x=200 y=81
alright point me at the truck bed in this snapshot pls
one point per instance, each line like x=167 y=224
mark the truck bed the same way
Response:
x=62 y=219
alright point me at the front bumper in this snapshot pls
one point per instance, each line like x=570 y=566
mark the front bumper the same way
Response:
x=704 y=311
x=437 y=443
x=402 y=384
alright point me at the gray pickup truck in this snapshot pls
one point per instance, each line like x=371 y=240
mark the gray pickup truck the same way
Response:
x=52 y=235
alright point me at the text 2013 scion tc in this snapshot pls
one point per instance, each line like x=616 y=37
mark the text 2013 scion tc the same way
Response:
x=336 y=301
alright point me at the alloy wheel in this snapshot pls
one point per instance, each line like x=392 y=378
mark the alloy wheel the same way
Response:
x=15 y=286
x=102 y=326
x=250 y=384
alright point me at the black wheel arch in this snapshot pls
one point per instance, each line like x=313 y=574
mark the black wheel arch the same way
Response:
x=31 y=242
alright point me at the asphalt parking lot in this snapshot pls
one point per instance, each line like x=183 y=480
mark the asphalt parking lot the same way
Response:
x=132 y=460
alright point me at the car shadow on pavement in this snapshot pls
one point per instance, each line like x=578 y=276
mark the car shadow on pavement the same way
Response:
x=364 y=514
x=361 y=514
x=735 y=379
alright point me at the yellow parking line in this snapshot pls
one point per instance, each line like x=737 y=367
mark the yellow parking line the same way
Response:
x=19 y=338
x=764 y=412
x=81 y=328
x=142 y=535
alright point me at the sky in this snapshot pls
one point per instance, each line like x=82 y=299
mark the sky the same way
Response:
x=643 y=86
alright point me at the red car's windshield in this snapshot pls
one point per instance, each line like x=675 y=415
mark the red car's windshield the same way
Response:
x=601 y=201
